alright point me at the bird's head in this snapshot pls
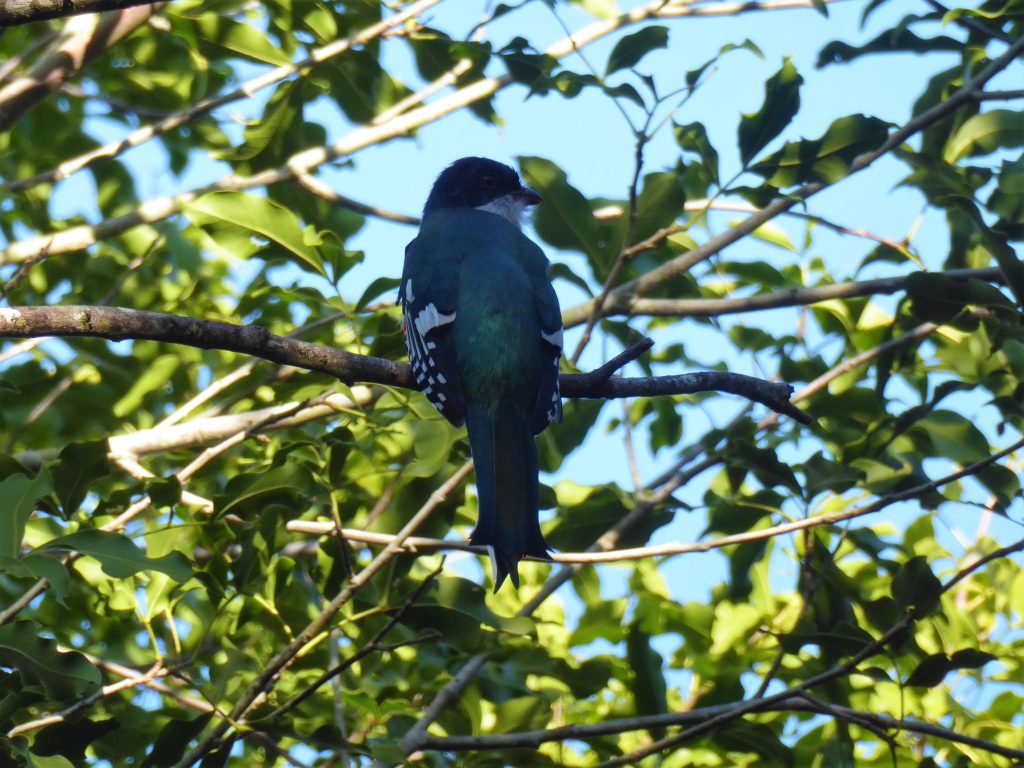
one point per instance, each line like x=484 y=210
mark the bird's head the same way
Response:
x=486 y=185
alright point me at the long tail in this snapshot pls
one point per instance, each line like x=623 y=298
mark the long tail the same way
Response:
x=505 y=456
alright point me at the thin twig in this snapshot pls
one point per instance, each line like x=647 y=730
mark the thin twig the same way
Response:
x=374 y=645
x=414 y=544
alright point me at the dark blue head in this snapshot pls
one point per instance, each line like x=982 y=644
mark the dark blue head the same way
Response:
x=476 y=182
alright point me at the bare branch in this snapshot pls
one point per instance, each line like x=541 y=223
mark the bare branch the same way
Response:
x=16 y=12
x=315 y=186
x=117 y=324
x=157 y=670
x=414 y=545
x=795 y=702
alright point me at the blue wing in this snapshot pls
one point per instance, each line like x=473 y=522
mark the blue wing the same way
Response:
x=548 y=407
x=428 y=296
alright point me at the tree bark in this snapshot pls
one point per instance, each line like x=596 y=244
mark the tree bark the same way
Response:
x=118 y=324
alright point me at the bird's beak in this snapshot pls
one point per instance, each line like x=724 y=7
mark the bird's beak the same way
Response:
x=528 y=196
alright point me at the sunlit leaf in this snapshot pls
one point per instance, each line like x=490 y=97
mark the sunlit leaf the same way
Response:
x=985 y=133
x=119 y=555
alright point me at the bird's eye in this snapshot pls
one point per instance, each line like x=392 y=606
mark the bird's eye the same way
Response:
x=488 y=182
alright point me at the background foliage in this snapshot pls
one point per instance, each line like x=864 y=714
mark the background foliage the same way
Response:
x=161 y=603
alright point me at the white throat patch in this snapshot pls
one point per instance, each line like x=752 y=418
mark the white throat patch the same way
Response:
x=510 y=207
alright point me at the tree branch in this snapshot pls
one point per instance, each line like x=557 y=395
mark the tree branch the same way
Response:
x=16 y=12
x=117 y=324
x=413 y=545
x=796 y=702
x=793 y=297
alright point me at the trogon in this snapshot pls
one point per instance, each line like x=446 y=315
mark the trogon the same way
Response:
x=484 y=335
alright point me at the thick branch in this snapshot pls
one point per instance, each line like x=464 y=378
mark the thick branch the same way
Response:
x=16 y=12
x=118 y=324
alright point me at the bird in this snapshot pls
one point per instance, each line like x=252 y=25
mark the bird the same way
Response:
x=483 y=330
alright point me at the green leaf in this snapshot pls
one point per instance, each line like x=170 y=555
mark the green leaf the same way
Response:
x=1007 y=199
x=971 y=658
x=954 y=436
x=20 y=493
x=71 y=737
x=522 y=713
x=77 y=469
x=279 y=114
x=257 y=490
x=781 y=102
x=650 y=694
x=35 y=566
x=432 y=443
x=770 y=232
x=940 y=298
x=260 y=216
x=763 y=462
x=170 y=744
x=242 y=38
x=629 y=50
x=58 y=676
x=985 y=133
x=692 y=137
x=382 y=285
x=155 y=376
x=900 y=40
x=564 y=219
x=915 y=587
x=455 y=608
x=164 y=491
x=659 y=203
x=118 y=555
x=754 y=738
x=827 y=158
x=931 y=671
